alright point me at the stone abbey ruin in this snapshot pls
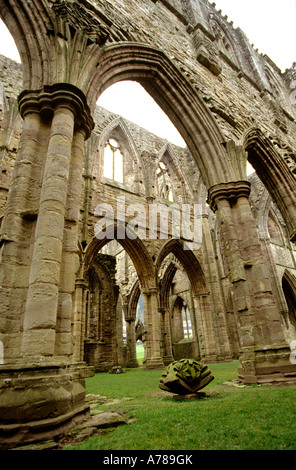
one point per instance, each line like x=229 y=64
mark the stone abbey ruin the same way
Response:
x=74 y=300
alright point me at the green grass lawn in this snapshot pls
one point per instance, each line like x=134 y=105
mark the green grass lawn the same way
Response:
x=229 y=418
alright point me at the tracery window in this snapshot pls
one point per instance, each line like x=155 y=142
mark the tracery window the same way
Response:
x=182 y=328
x=113 y=161
x=186 y=321
x=164 y=183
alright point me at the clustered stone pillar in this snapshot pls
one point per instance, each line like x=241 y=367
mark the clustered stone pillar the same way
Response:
x=131 y=359
x=17 y=232
x=264 y=352
x=152 y=325
x=40 y=314
x=40 y=258
x=70 y=256
x=79 y=319
x=205 y=333
x=167 y=347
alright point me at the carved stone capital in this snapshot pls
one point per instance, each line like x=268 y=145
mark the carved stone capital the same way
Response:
x=230 y=191
x=45 y=101
x=149 y=291
x=81 y=283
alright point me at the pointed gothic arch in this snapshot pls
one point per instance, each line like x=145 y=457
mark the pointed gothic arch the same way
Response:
x=189 y=262
x=175 y=95
x=118 y=130
x=135 y=249
x=168 y=156
x=274 y=174
x=133 y=300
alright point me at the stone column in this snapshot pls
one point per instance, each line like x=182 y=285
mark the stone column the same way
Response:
x=264 y=351
x=45 y=393
x=215 y=310
x=205 y=327
x=164 y=315
x=131 y=359
x=64 y=107
x=70 y=254
x=79 y=315
x=17 y=231
x=42 y=299
x=152 y=326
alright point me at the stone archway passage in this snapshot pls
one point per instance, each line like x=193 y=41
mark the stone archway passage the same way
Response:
x=145 y=269
x=135 y=248
x=202 y=324
x=188 y=260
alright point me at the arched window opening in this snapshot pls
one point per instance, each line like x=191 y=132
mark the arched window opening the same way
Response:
x=164 y=183
x=181 y=320
x=187 y=328
x=140 y=330
x=290 y=299
x=123 y=326
x=113 y=161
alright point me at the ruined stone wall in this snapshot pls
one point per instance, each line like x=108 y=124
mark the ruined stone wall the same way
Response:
x=280 y=253
x=142 y=152
x=225 y=99
x=241 y=86
x=10 y=122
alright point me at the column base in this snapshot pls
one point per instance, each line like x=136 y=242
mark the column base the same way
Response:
x=132 y=364
x=267 y=365
x=167 y=360
x=39 y=402
x=153 y=364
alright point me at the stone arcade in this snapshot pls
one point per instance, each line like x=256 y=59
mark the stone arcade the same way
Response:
x=74 y=302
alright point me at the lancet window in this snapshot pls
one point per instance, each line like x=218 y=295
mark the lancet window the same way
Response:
x=164 y=183
x=113 y=161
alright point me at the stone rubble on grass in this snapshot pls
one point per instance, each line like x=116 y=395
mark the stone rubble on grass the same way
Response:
x=234 y=383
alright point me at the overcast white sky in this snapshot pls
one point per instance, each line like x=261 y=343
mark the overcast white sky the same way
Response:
x=269 y=24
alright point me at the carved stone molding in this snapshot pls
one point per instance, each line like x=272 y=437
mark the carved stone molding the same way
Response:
x=51 y=96
x=206 y=51
x=230 y=191
x=82 y=20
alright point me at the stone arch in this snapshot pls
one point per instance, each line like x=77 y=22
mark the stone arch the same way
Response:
x=289 y=289
x=47 y=44
x=274 y=174
x=291 y=280
x=165 y=285
x=172 y=328
x=133 y=300
x=135 y=249
x=202 y=341
x=137 y=324
x=178 y=330
x=189 y=262
x=168 y=156
x=175 y=95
